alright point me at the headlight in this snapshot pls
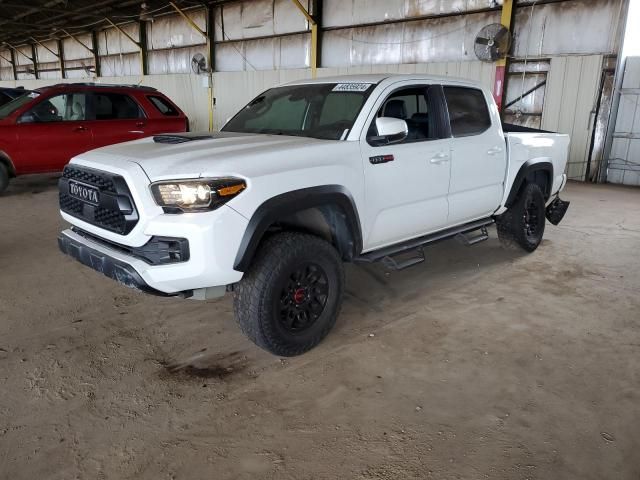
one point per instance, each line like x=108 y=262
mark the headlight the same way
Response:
x=196 y=195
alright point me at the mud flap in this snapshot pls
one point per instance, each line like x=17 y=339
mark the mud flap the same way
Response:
x=556 y=210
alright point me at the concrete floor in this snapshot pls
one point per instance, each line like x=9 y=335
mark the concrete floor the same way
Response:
x=480 y=363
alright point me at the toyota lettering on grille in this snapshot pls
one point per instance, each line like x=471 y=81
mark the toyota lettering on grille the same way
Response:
x=83 y=192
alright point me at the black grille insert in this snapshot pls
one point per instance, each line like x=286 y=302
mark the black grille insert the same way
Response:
x=115 y=211
x=157 y=251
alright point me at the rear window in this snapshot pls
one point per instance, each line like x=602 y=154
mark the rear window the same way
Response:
x=164 y=107
x=468 y=111
x=116 y=106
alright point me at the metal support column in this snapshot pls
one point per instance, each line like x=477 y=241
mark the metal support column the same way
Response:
x=13 y=64
x=96 y=52
x=314 y=37
x=63 y=71
x=34 y=59
x=499 y=86
x=143 y=47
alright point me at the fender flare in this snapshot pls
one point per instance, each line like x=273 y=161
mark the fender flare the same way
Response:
x=528 y=167
x=289 y=203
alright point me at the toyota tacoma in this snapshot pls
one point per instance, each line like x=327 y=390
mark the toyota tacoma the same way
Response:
x=305 y=177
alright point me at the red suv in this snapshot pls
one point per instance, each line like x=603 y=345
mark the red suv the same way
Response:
x=43 y=129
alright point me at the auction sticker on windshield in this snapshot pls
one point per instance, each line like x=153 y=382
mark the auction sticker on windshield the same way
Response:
x=351 y=87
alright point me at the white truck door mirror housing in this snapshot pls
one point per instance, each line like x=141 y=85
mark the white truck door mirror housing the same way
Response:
x=390 y=130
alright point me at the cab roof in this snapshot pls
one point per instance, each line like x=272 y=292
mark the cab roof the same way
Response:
x=376 y=78
x=95 y=86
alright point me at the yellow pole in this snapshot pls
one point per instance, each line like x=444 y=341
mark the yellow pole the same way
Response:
x=314 y=38
x=501 y=65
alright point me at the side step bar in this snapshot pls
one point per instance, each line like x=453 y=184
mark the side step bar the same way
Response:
x=386 y=254
x=465 y=239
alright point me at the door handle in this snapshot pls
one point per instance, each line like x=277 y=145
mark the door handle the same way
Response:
x=440 y=158
x=140 y=124
x=494 y=151
x=80 y=128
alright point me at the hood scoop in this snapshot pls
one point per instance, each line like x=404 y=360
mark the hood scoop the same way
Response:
x=180 y=138
x=175 y=138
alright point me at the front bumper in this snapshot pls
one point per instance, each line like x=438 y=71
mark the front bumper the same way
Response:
x=70 y=243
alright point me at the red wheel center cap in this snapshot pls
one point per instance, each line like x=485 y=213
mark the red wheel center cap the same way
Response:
x=299 y=295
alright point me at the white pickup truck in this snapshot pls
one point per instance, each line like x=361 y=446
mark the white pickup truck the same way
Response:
x=305 y=177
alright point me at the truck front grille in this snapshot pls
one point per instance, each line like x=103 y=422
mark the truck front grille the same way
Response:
x=113 y=209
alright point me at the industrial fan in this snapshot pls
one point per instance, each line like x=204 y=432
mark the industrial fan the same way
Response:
x=492 y=42
x=199 y=64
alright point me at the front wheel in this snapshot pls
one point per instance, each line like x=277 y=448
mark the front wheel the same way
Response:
x=523 y=223
x=290 y=298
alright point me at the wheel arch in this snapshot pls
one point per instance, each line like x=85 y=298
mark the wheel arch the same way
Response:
x=535 y=170
x=327 y=211
x=6 y=161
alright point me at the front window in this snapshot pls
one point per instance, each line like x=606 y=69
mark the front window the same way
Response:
x=8 y=108
x=326 y=111
x=66 y=107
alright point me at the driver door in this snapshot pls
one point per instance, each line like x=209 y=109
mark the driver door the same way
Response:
x=54 y=131
x=407 y=183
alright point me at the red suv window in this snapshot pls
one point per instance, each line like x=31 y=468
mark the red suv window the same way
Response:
x=116 y=106
x=164 y=107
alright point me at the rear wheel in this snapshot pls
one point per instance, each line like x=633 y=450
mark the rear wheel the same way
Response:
x=523 y=223
x=4 y=177
x=290 y=298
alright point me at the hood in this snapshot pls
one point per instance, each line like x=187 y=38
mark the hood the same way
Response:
x=195 y=154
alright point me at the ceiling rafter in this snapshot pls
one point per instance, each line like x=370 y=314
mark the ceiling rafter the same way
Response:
x=44 y=20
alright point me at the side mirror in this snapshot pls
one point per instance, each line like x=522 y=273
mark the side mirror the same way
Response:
x=27 y=118
x=390 y=130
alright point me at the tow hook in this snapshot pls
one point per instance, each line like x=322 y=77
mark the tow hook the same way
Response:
x=556 y=210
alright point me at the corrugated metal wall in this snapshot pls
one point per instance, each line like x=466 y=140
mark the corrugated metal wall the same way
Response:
x=261 y=43
x=570 y=99
x=624 y=160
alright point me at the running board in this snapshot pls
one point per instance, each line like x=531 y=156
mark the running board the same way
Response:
x=394 y=263
x=419 y=242
x=465 y=239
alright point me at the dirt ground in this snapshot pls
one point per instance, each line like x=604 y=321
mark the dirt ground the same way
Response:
x=480 y=363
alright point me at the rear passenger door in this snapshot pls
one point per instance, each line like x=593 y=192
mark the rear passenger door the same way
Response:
x=117 y=118
x=478 y=155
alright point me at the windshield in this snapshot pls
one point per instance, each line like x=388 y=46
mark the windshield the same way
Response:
x=325 y=111
x=13 y=105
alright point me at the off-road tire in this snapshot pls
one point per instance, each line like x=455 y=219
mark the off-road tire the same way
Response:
x=263 y=303
x=4 y=177
x=522 y=225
